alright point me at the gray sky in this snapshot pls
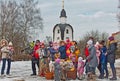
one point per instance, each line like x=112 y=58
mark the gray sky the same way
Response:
x=83 y=15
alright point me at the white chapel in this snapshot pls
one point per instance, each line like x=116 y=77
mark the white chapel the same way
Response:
x=63 y=30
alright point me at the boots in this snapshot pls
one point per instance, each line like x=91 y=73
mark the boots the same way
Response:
x=107 y=75
x=101 y=76
x=114 y=75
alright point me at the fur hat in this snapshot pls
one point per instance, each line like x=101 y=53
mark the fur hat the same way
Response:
x=80 y=59
x=3 y=40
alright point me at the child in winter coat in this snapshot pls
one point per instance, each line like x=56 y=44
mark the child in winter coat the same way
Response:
x=103 y=60
x=97 y=51
x=57 y=70
x=51 y=66
x=80 y=68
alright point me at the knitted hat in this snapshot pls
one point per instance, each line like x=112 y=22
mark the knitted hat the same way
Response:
x=10 y=44
x=57 y=60
x=90 y=42
x=97 y=44
x=68 y=40
x=111 y=38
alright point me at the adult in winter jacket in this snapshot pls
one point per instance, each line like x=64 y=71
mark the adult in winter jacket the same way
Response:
x=103 y=60
x=111 y=56
x=93 y=62
x=43 y=61
x=52 y=51
x=6 y=52
x=35 y=57
x=62 y=50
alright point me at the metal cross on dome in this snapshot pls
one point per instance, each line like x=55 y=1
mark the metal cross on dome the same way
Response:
x=63 y=4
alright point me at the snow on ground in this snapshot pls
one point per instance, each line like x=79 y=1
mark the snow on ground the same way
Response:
x=22 y=70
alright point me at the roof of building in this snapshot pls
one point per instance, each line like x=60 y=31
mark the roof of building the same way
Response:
x=62 y=29
x=116 y=33
x=63 y=13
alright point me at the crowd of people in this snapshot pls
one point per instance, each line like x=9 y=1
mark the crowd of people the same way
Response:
x=65 y=55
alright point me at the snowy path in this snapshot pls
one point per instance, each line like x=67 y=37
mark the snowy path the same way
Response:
x=22 y=70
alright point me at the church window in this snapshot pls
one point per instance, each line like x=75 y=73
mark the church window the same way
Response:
x=58 y=31
x=67 y=31
x=58 y=38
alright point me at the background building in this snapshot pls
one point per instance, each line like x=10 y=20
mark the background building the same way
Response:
x=62 y=31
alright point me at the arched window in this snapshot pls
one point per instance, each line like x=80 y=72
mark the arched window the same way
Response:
x=67 y=31
x=58 y=38
x=58 y=31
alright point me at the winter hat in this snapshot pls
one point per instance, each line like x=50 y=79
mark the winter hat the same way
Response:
x=80 y=59
x=57 y=60
x=90 y=42
x=97 y=44
x=50 y=42
x=3 y=40
x=10 y=44
x=42 y=43
x=68 y=40
x=111 y=38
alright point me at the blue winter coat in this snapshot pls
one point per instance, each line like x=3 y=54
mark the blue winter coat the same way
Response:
x=52 y=50
x=62 y=50
x=103 y=57
x=52 y=53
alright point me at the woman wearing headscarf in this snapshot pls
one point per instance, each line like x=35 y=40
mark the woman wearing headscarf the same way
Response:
x=111 y=56
x=93 y=61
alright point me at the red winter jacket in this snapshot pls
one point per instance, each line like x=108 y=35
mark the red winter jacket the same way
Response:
x=86 y=51
x=35 y=53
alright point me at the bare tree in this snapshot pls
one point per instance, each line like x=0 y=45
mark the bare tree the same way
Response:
x=30 y=18
x=118 y=16
x=18 y=19
x=7 y=17
x=98 y=36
